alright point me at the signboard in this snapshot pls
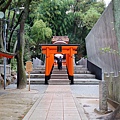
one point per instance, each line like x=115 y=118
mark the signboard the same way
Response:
x=29 y=66
x=29 y=69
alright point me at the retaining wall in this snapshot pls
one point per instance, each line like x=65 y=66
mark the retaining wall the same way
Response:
x=103 y=35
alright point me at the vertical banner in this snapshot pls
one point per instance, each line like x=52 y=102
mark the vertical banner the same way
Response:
x=29 y=69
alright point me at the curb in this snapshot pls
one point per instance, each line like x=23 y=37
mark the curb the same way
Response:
x=30 y=112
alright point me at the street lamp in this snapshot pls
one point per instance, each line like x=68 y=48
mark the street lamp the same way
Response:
x=2 y=15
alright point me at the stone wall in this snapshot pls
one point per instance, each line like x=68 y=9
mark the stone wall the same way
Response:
x=8 y=75
x=8 y=69
x=103 y=35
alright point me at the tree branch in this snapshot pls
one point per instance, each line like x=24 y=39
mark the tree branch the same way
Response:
x=12 y=30
x=6 y=6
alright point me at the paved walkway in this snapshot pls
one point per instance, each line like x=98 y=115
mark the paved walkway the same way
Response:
x=57 y=103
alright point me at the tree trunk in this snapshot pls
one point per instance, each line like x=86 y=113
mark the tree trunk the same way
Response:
x=21 y=75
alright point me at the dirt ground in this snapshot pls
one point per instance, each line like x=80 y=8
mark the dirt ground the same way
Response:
x=15 y=103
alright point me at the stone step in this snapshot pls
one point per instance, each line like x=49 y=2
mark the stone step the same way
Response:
x=59 y=82
x=62 y=76
x=82 y=72
x=59 y=76
x=57 y=66
x=36 y=81
x=63 y=67
x=64 y=81
x=59 y=72
x=56 y=69
x=84 y=76
x=78 y=66
x=80 y=69
x=36 y=75
x=86 y=81
x=62 y=72
x=37 y=72
x=39 y=67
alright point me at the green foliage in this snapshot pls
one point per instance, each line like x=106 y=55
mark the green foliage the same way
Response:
x=54 y=14
x=48 y=32
x=14 y=64
x=90 y=17
x=108 y=50
x=40 y=32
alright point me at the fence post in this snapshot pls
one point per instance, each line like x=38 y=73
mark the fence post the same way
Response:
x=103 y=94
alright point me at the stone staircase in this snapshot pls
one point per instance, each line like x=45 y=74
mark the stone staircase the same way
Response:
x=81 y=76
x=59 y=77
x=37 y=76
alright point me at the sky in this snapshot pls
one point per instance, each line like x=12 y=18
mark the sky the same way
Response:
x=107 y=2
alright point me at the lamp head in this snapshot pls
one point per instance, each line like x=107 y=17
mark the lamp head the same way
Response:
x=1 y=15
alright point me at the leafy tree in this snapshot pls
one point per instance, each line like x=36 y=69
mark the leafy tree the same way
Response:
x=40 y=33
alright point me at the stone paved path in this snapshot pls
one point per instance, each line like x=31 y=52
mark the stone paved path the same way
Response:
x=56 y=104
x=50 y=102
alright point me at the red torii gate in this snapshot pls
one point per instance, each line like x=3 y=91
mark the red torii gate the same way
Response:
x=51 y=49
x=6 y=54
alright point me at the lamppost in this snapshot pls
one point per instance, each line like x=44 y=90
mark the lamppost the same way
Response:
x=2 y=15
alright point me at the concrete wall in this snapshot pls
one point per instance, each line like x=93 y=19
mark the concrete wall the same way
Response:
x=103 y=35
